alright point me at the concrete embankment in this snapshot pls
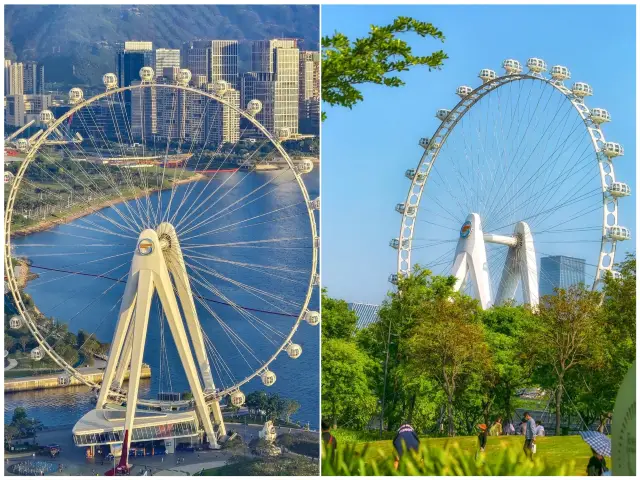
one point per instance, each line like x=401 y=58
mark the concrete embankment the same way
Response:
x=60 y=380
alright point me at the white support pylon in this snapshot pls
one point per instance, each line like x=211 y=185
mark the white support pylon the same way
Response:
x=150 y=273
x=471 y=259
x=520 y=265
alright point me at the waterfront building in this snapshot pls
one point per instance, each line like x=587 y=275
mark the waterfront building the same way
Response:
x=309 y=103
x=274 y=80
x=153 y=432
x=130 y=58
x=223 y=121
x=560 y=271
x=215 y=59
x=14 y=110
x=166 y=58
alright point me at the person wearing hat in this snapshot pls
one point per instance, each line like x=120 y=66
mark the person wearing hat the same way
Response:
x=482 y=437
x=404 y=441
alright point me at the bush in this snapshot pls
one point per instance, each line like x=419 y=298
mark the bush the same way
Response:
x=435 y=461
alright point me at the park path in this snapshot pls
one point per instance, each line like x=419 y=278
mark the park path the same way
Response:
x=12 y=364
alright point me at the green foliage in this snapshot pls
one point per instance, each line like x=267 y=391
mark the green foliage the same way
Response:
x=337 y=320
x=346 y=390
x=22 y=426
x=371 y=59
x=431 y=461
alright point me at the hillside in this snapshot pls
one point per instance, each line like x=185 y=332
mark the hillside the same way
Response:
x=76 y=43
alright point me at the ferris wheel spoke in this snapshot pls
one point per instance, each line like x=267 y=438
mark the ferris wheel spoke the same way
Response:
x=221 y=213
x=186 y=224
x=243 y=221
x=252 y=319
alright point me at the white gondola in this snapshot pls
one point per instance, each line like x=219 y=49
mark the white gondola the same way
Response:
x=619 y=233
x=315 y=281
x=303 y=166
x=536 y=65
x=442 y=113
x=110 y=80
x=613 y=149
x=582 y=89
x=147 y=74
x=619 y=189
x=268 y=378
x=36 y=354
x=312 y=317
x=600 y=115
x=409 y=210
x=75 y=95
x=221 y=87
x=184 y=76
x=254 y=107
x=560 y=72
x=237 y=398
x=463 y=91
x=46 y=117
x=395 y=243
x=22 y=145
x=283 y=133
x=64 y=380
x=15 y=322
x=616 y=275
x=393 y=278
x=315 y=204
x=511 y=66
x=294 y=350
x=424 y=142
x=486 y=75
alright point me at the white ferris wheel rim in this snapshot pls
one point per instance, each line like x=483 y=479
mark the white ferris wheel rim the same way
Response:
x=13 y=282
x=429 y=157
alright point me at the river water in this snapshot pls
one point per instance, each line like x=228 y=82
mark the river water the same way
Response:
x=223 y=268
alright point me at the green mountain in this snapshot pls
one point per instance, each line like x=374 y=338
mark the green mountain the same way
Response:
x=77 y=43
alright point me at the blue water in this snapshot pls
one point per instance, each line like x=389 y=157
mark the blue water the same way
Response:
x=91 y=304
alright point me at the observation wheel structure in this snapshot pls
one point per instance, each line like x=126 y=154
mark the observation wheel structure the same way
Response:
x=214 y=275
x=523 y=191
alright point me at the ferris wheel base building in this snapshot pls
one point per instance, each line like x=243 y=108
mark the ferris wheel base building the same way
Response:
x=153 y=432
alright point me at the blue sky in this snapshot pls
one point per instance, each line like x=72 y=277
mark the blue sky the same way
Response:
x=365 y=151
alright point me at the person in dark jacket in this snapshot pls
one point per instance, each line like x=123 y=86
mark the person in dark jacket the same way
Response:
x=597 y=465
x=328 y=440
x=482 y=437
x=404 y=441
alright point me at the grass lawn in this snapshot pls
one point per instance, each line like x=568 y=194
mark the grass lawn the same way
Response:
x=554 y=451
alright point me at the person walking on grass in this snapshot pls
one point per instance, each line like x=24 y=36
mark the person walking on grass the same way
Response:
x=328 y=440
x=482 y=437
x=597 y=465
x=529 y=435
x=405 y=440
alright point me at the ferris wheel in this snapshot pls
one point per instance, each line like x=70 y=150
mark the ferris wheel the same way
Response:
x=157 y=233
x=515 y=189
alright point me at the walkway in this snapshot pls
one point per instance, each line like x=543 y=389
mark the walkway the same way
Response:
x=12 y=364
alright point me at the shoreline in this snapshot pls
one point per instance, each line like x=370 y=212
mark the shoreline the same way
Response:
x=48 y=224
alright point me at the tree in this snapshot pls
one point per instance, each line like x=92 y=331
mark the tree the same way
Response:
x=507 y=327
x=346 y=64
x=346 y=391
x=9 y=342
x=567 y=336
x=448 y=345
x=338 y=321
x=291 y=407
x=24 y=340
x=256 y=402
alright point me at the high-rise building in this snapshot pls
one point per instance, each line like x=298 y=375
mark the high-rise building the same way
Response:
x=166 y=58
x=14 y=78
x=15 y=110
x=33 y=78
x=559 y=271
x=195 y=57
x=223 y=120
x=223 y=62
x=216 y=59
x=309 y=105
x=276 y=61
x=260 y=86
x=131 y=57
